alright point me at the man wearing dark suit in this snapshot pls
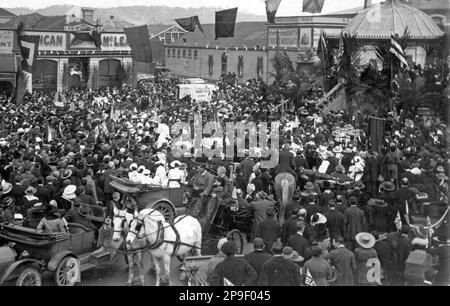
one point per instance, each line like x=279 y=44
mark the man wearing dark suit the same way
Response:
x=371 y=172
x=344 y=261
x=286 y=161
x=404 y=193
x=257 y=258
x=236 y=270
x=247 y=168
x=300 y=161
x=18 y=190
x=269 y=229
x=290 y=226
x=354 y=222
x=42 y=193
x=279 y=271
x=298 y=243
x=335 y=221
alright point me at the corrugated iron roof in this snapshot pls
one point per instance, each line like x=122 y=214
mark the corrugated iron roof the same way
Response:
x=6 y=13
x=379 y=22
x=246 y=34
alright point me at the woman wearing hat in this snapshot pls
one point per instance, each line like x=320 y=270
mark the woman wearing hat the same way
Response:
x=7 y=209
x=176 y=175
x=29 y=199
x=51 y=221
x=66 y=199
x=363 y=253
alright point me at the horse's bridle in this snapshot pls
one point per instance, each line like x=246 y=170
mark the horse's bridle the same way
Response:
x=141 y=224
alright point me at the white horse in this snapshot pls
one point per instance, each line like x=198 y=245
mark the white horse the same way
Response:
x=166 y=240
x=121 y=223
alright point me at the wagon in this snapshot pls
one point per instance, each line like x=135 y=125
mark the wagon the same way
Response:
x=172 y=202
x=29 y=253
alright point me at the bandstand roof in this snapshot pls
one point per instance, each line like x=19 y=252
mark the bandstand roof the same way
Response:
x=380 y=21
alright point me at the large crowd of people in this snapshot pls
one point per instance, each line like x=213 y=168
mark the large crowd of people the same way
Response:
x=349 y=205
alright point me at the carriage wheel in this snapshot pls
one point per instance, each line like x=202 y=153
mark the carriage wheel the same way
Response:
x=166 y=210
x=29 y=277
x=67 y=272
x=237 y=237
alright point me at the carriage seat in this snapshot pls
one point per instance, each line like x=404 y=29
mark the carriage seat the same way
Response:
x=75 y=228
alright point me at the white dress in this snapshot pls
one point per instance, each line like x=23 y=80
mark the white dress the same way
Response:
x=133 y=176
x=175 y=174
x=161 y=176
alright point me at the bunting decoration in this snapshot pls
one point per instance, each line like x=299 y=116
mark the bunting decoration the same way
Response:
x=271 y=9
x=190 y=24
x=313 y=6
x=225 y=23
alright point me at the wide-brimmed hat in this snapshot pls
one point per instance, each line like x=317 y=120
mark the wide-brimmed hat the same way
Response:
x=6 y=202
x=69 y=192
x=440 y=169
x=319 y=219
x=309 y=186
x=339 y=169
x=387 y=186
x=65 y=174
x=175 y=163
x=6 y=188
x=337 y=149
x=289 y=253
x=30 y=190
x=316 y=250
x=365 y=240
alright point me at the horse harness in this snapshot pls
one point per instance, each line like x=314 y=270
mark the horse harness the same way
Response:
x=160 y=238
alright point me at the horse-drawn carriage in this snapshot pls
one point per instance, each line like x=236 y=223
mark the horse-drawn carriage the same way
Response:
x=217 y=221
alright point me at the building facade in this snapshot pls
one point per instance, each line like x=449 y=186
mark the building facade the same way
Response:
x=79 y=52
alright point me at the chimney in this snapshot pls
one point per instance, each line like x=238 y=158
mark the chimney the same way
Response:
x=367 y=3
x=88 y=15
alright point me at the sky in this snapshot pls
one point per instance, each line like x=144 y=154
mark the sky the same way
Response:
x=257 y=7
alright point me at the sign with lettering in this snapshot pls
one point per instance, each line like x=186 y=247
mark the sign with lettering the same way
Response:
x=288 y=37
x=50 y=41
x=115 y=42
x=6 y=41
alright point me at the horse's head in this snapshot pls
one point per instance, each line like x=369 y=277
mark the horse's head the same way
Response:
x=118 y=221
x=135 y=226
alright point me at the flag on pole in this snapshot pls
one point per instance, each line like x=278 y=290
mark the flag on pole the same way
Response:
x=190 y=23
x=309 y=281
x=225 y=23
x=397 y=50
x=271 y=9
x=322 y=48
x=313 y=6
x=226 y=282
x=139 y=42
x=29 y=46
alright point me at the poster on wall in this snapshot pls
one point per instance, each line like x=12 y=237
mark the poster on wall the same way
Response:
x=288 y=37
x=6 y=41
x=305 y=37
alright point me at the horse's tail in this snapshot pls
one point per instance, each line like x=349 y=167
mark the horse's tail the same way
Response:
x=284 y=191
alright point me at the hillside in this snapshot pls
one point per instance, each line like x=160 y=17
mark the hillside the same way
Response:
x=142 y=14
